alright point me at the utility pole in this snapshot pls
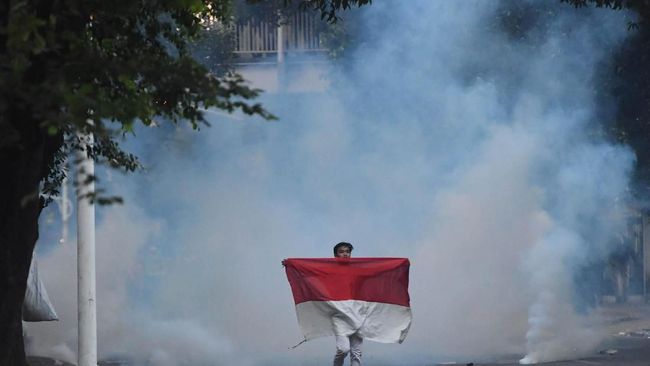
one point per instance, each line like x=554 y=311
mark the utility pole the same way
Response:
x=645 y=237
x=280 y=38
x=281 y=67
x=86 y=300
x=65 y=209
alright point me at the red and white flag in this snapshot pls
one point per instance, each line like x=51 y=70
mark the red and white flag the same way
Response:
x=343 y=296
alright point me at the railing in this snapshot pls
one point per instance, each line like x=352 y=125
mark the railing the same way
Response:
x=299 y=33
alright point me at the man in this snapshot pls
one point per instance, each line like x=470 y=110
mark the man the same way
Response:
x=351 y=298
x=347 y=344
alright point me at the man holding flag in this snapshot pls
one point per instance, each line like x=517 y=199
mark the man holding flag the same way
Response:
x=352 y=299
x=352 y=343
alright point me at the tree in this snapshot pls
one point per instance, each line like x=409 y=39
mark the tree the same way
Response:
x=642 y=7
x=627 y=83
x=88 y=67
x=94 y=67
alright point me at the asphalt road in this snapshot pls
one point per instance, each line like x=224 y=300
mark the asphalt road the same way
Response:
x=619 y=351
x=627 y=345
x=623 y=351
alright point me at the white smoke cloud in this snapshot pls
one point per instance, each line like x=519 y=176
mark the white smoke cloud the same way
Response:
x=445 y=140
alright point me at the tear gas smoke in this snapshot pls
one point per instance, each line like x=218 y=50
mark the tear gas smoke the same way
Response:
x=448 y=138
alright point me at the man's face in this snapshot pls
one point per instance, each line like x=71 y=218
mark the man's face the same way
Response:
x=343 y=252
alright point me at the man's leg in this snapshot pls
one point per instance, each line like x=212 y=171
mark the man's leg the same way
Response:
x=355 y=350
x=342 y=350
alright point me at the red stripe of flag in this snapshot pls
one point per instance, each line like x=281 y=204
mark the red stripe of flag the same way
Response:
x=383 y=280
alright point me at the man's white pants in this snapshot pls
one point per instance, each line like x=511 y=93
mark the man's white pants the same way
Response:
x=345 y=345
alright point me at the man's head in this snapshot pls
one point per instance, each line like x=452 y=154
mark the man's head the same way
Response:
x=343 y=250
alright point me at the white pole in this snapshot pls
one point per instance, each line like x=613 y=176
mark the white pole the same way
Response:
x=65 y=208
x=280 y=48
x=280 y=45
x=87 y=311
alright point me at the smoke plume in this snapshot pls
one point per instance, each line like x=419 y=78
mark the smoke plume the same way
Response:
x=447 y=135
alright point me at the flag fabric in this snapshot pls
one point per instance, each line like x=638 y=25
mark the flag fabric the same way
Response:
x=344 y=296
x=36 y=305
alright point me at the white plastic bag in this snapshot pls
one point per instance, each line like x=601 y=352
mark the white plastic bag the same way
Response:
x=37 y=306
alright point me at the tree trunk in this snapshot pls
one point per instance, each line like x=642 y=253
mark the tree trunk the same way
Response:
x=23 y=165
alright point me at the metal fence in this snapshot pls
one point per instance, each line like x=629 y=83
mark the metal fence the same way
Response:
x=299 y=33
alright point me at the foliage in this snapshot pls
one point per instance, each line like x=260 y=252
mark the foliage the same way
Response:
x=101 y=67
x=71 y=68
x=344 y=36
x=627 y=83
x=275 y=10
x=641 y=7
x=329 y=9
x=630 y=88
x=214 y=48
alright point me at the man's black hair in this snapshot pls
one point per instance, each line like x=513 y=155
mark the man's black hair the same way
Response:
x=342 y=244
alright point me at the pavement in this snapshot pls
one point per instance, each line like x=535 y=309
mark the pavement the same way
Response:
x=45 y=361
x=627 y=352
x=627 y=344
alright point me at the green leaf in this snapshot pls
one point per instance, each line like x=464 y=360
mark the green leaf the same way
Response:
x=52 y=130
x=127 y=82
